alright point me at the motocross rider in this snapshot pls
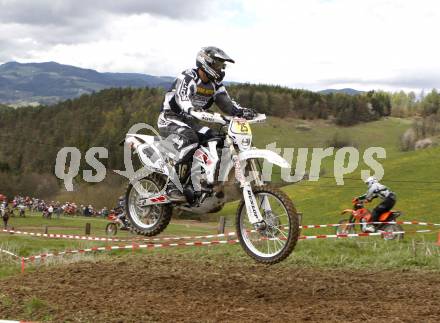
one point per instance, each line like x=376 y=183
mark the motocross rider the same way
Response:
x=376 y=189
x=196 y=90
x=120 y=210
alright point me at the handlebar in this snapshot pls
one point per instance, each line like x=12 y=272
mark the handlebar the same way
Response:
x=261 y=117
x=218 y=118
x=357 y=200
x=208 y=117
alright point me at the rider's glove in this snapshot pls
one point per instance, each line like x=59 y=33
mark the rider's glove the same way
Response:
x=247 y=113
x=190 y=114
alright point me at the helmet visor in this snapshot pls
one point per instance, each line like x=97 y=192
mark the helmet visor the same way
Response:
x=218 y=65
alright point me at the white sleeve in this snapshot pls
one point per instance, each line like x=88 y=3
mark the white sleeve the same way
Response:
x=185 y=88
x=371 y=193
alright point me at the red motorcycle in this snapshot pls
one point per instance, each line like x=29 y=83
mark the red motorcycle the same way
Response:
x=116 y=222
x=360 y=215
x=70 y=210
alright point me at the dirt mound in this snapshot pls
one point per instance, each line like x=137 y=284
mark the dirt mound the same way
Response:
x=174 y=288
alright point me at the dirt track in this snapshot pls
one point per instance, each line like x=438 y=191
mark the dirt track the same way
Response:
x=169 y=288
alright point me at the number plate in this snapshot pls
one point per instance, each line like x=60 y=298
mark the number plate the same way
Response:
x=242 y=128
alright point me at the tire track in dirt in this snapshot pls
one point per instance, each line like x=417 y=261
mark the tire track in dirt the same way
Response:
x=171 y=288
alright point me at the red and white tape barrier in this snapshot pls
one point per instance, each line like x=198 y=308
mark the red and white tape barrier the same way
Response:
x=9 y=321
x=362 y=234
x=59 y=236
x=210 y=236
x=9 y=253
x=88 y=238
x=133 y=246
x=317 y=226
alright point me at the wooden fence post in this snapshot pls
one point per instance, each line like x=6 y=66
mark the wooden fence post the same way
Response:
x=46 y=229
x=88 y=229
x=221 y=225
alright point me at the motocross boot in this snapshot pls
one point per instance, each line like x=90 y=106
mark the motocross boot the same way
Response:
x=370 y=228
x=174 y=194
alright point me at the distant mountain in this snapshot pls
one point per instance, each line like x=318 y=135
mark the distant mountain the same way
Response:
x=48 y=83
x=345 y=91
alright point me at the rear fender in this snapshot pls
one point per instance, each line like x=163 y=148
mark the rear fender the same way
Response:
x=389 y=216
x=144 y=146
x=137 y=138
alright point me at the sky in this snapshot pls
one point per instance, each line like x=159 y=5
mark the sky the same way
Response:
x=313 y=44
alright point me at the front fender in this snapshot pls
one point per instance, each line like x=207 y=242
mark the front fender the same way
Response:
x=272 y=157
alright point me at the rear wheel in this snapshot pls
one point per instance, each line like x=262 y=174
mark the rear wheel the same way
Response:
x=111 y=229
x=345 y=227
x=152 y=219
x=389 y=232
x=277 y=239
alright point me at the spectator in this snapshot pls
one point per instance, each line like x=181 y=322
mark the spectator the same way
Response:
x=50 y=211
x=105 y=212
x=5 y=216
x=22 y=209
x=58 y=211
x=91 y=211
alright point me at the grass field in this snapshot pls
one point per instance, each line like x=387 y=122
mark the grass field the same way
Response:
x=320 y=202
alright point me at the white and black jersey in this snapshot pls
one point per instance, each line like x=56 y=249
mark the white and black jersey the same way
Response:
x=189 y=92
x=378 y=190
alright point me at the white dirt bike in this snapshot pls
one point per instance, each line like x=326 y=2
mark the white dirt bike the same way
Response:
x=267 y=224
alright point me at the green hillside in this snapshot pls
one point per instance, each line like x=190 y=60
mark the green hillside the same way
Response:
x=297 y=133
x=50 y=82
x=405 y=174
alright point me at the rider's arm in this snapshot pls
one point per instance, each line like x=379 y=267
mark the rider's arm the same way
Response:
x=371 y=193
x=225 y=103
x=185 y=88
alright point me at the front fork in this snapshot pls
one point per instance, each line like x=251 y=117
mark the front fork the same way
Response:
x=252 y=208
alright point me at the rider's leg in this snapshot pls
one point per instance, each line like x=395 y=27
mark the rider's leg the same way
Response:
x=383 y=207
x=377 y=211
x=182 y=139
x=121 y=218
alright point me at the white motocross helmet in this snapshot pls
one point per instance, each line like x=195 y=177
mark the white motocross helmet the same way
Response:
x=370 y=181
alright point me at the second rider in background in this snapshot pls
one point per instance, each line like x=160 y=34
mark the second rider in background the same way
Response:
x=376 y=189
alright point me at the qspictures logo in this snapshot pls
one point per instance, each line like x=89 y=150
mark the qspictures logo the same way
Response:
x=346 y=160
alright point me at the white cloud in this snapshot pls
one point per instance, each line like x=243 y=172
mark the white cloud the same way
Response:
x=312 y=44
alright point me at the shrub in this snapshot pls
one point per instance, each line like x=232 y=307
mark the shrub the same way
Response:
x=408 y=140
x=339 y=140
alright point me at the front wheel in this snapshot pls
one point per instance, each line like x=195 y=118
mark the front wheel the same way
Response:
x=111 y=229
x=389 y=232
x=345 y=227
x=277 y=239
